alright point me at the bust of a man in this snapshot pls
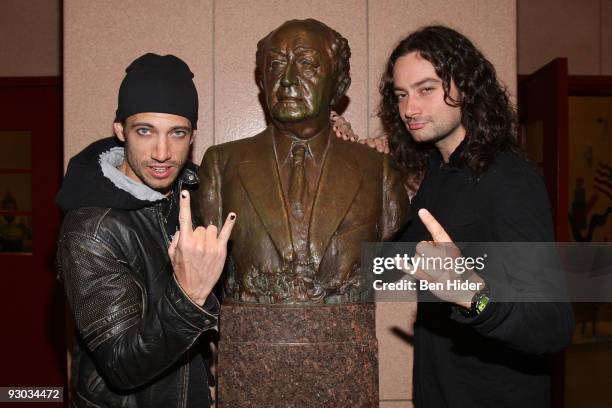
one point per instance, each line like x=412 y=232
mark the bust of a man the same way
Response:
x=305 y=199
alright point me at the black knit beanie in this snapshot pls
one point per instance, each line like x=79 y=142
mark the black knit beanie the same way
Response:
x=155 y=83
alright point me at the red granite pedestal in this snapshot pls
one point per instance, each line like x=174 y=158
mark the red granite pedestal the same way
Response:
x=283 y=356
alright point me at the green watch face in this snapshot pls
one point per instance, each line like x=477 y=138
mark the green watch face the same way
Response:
x=481 y=304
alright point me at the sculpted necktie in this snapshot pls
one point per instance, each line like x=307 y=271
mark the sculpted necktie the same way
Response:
x=297 y=182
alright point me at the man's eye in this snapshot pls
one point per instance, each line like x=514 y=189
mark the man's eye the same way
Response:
x=426 y=91
x=179 y=133
x=143 y=131
x=400 y=96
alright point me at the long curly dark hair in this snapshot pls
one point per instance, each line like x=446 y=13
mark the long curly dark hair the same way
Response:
x=486 y=111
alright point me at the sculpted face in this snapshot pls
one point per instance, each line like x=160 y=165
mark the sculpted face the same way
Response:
x=298 y=78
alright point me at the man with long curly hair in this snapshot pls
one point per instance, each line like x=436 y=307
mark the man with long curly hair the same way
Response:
x=450 y=123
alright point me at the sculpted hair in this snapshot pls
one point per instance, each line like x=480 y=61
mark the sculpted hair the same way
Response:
x=337 y=48
x=486 y=111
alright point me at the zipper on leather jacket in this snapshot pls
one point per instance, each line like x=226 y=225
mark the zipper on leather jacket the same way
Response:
x=185 y=388
x=160 y=217
x=162 y=225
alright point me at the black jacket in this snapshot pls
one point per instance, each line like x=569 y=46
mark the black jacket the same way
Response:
x=500 y=358
x=137 y=331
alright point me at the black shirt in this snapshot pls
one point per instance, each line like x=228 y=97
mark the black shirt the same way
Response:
x=501 y=357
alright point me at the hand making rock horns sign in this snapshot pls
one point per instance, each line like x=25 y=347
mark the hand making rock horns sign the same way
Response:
x=443 y=247
x=198 y=255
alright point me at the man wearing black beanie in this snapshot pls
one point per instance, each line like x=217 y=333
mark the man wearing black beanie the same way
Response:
x=138 y=276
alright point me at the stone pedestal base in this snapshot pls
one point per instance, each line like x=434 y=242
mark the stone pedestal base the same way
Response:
x=297 y=356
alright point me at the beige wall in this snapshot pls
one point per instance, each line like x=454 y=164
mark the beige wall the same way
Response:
x=29 y=38
x=579 y=30
x=218 y=40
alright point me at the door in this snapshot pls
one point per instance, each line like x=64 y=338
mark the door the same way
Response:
x=32 y=305
x=543 y=119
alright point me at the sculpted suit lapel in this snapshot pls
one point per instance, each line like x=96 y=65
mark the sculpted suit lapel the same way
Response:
x=259 y=176
x=334 y=197
x=332 y=200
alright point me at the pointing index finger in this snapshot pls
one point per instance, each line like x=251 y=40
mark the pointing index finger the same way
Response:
x=185 y=225
x=433 y=226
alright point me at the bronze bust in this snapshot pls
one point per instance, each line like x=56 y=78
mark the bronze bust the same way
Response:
x=305 y=199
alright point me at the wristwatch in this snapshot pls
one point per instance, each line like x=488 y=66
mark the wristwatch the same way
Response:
x=480 y=300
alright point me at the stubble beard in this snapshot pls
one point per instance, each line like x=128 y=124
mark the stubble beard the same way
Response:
x=161 y=186
x=435 y=132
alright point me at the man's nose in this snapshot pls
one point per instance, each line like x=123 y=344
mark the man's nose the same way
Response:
x=289 y=77
x=409 y=107
x=161 y=153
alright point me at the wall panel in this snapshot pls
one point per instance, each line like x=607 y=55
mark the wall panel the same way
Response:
x=606 y=38
x=560 y=28
x=29 y=38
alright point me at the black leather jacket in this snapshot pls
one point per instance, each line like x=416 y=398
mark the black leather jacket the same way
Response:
x=138 y=332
